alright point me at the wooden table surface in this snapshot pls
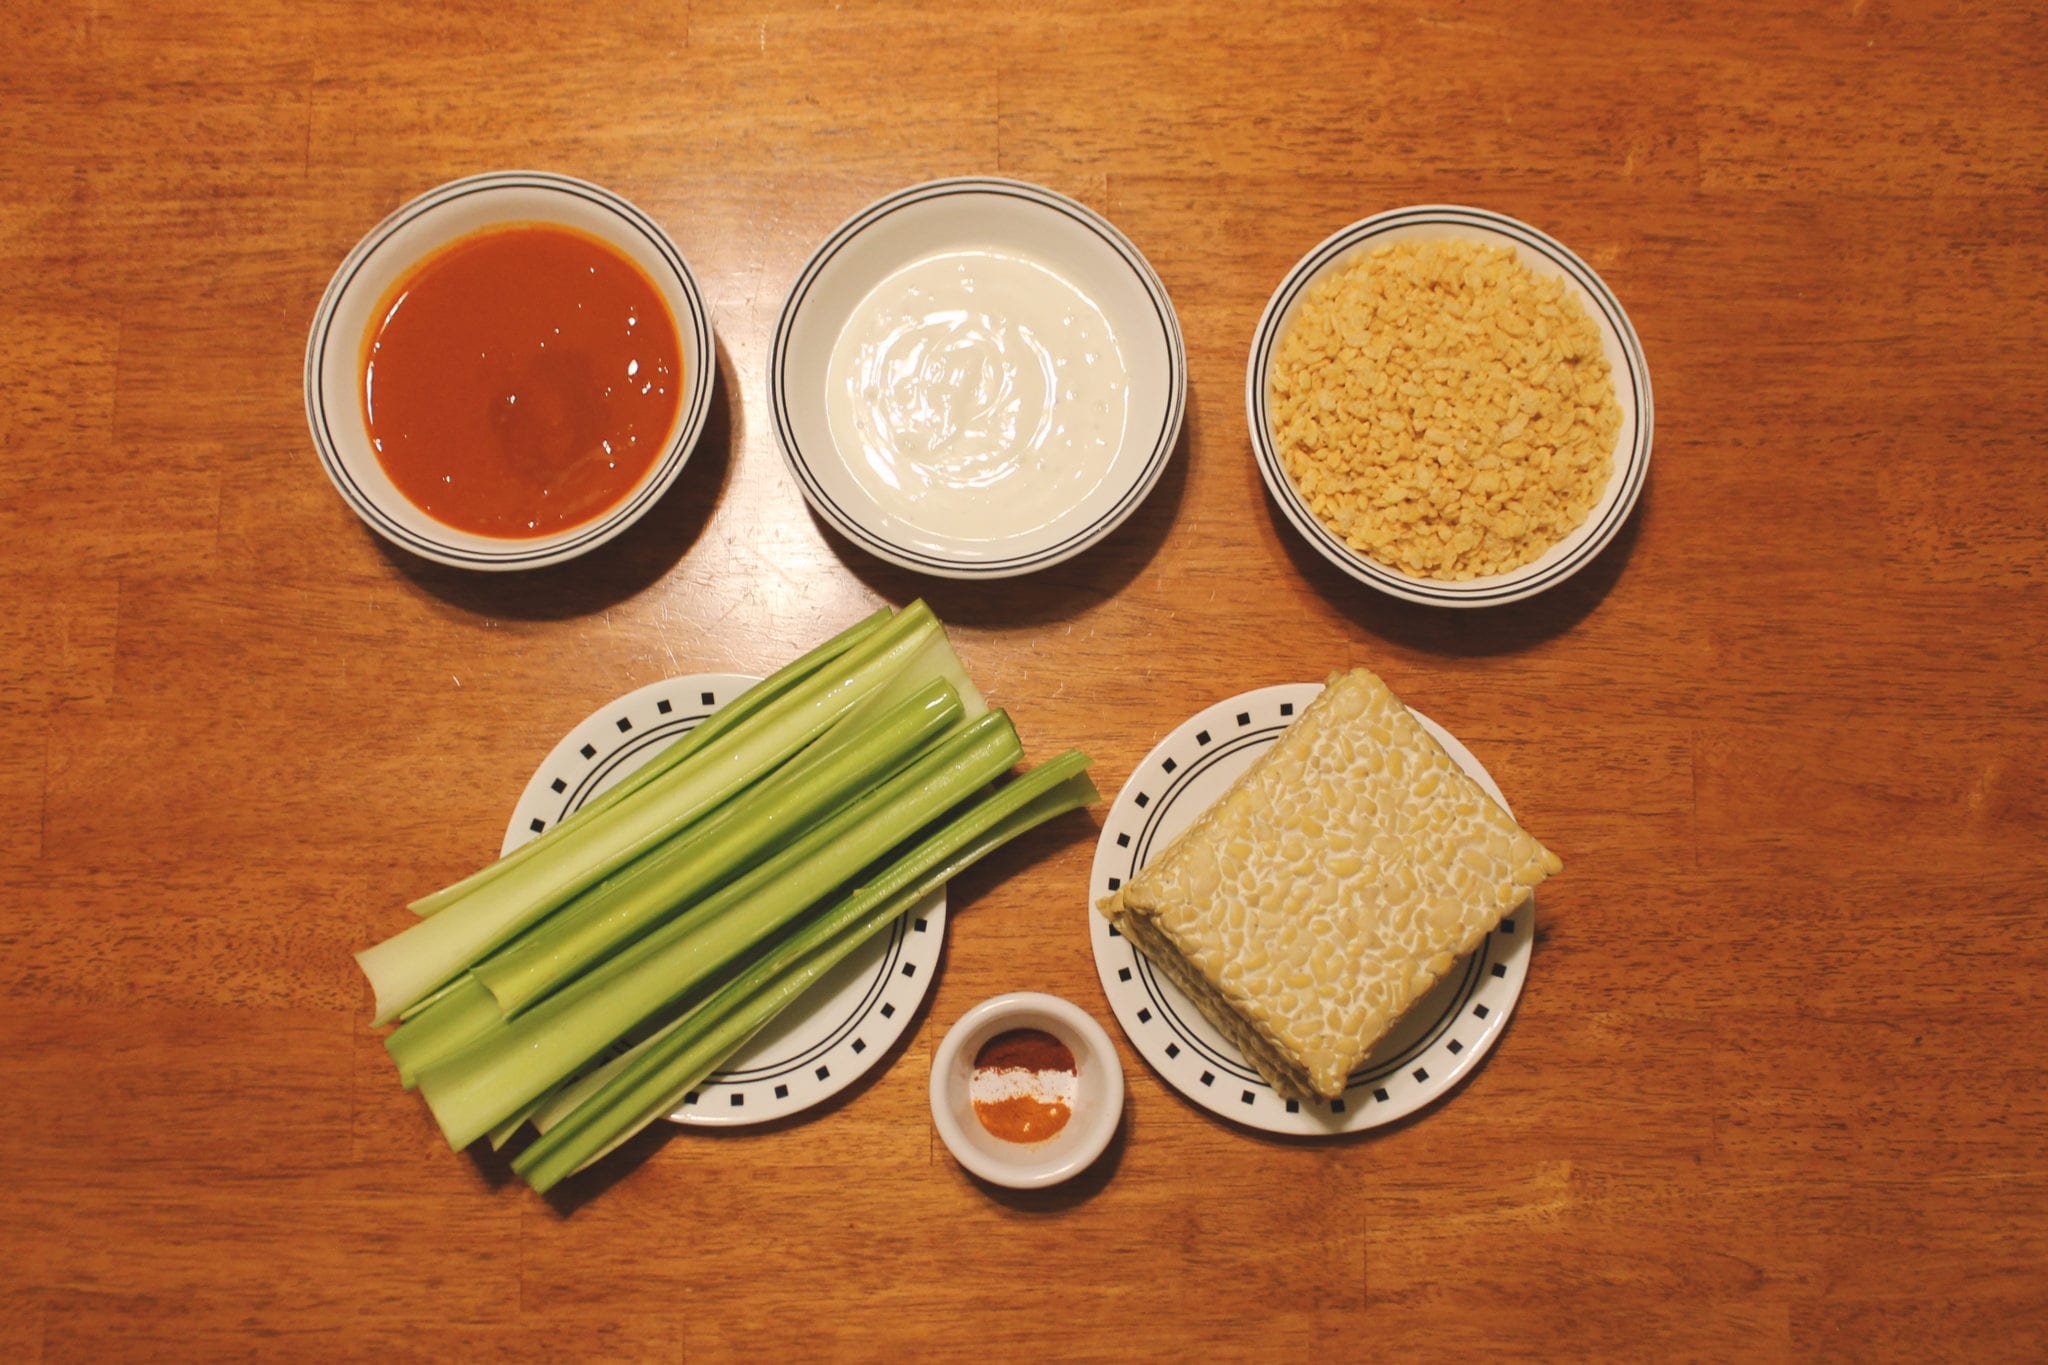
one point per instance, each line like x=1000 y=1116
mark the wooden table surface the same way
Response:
x=1775 y=1087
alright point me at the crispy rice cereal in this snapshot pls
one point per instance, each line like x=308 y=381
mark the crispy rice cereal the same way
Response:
x=1443 y=410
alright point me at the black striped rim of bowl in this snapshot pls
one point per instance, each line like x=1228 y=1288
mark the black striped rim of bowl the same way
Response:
x=910 y=557
x=695 y=408
x=1634 y=394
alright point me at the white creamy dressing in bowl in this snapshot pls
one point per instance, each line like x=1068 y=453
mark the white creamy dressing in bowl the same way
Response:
x=977 y=394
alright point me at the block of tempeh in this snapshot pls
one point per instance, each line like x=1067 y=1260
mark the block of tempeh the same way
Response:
x=1330 y=887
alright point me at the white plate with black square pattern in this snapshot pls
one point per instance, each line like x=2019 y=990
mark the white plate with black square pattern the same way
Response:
x=1435 y=1045
x=835 y=1032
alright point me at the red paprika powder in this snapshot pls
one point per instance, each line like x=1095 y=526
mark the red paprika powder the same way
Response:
x=1023 y=1085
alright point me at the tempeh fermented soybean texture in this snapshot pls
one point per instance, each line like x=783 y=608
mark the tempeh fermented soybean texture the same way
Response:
x=1330 y=887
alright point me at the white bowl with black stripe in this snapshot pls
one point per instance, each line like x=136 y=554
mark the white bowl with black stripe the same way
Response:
x=334 y=351
x=1541 y=254
x=967 y=215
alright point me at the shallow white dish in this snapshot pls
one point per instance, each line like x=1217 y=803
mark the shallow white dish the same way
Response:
x=838 y=1030
x=1098 y=1098
x=1541 y=254
x=976 y=215
x=334 y=351
x=1433 y=1047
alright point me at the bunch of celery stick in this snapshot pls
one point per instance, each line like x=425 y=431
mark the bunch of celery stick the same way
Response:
x=676 y=914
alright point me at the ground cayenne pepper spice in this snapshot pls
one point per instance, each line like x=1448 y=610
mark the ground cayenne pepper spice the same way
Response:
x=1023 y=1085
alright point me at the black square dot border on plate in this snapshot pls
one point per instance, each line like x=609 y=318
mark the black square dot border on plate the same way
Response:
x=614 y=739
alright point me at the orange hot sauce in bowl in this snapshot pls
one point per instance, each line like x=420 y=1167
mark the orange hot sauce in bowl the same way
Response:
x=521 y=380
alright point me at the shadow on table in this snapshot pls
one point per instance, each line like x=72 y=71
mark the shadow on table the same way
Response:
x=1468 y=632
x=1054 y=593
x=636 y=558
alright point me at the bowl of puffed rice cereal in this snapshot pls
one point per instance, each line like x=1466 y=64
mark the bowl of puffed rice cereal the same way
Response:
x=1450 y=406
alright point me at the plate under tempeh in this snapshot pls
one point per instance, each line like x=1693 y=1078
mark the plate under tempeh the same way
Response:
x=1329 y=887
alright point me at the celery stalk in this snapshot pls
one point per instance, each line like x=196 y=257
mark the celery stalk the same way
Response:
x=416 y=961
x=714 y=725
x=935 y=658
x=460 y=1012
x=481 y=1086
x=648 y=1082
x=427 y=1002
x=562 y=1100
x=621 y=909
x=504 y=1132
x=746 y=704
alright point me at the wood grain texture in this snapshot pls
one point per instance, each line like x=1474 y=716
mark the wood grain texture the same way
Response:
x=1775 y=1089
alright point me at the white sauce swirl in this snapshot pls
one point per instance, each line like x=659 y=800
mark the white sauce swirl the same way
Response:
x=977 y=395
